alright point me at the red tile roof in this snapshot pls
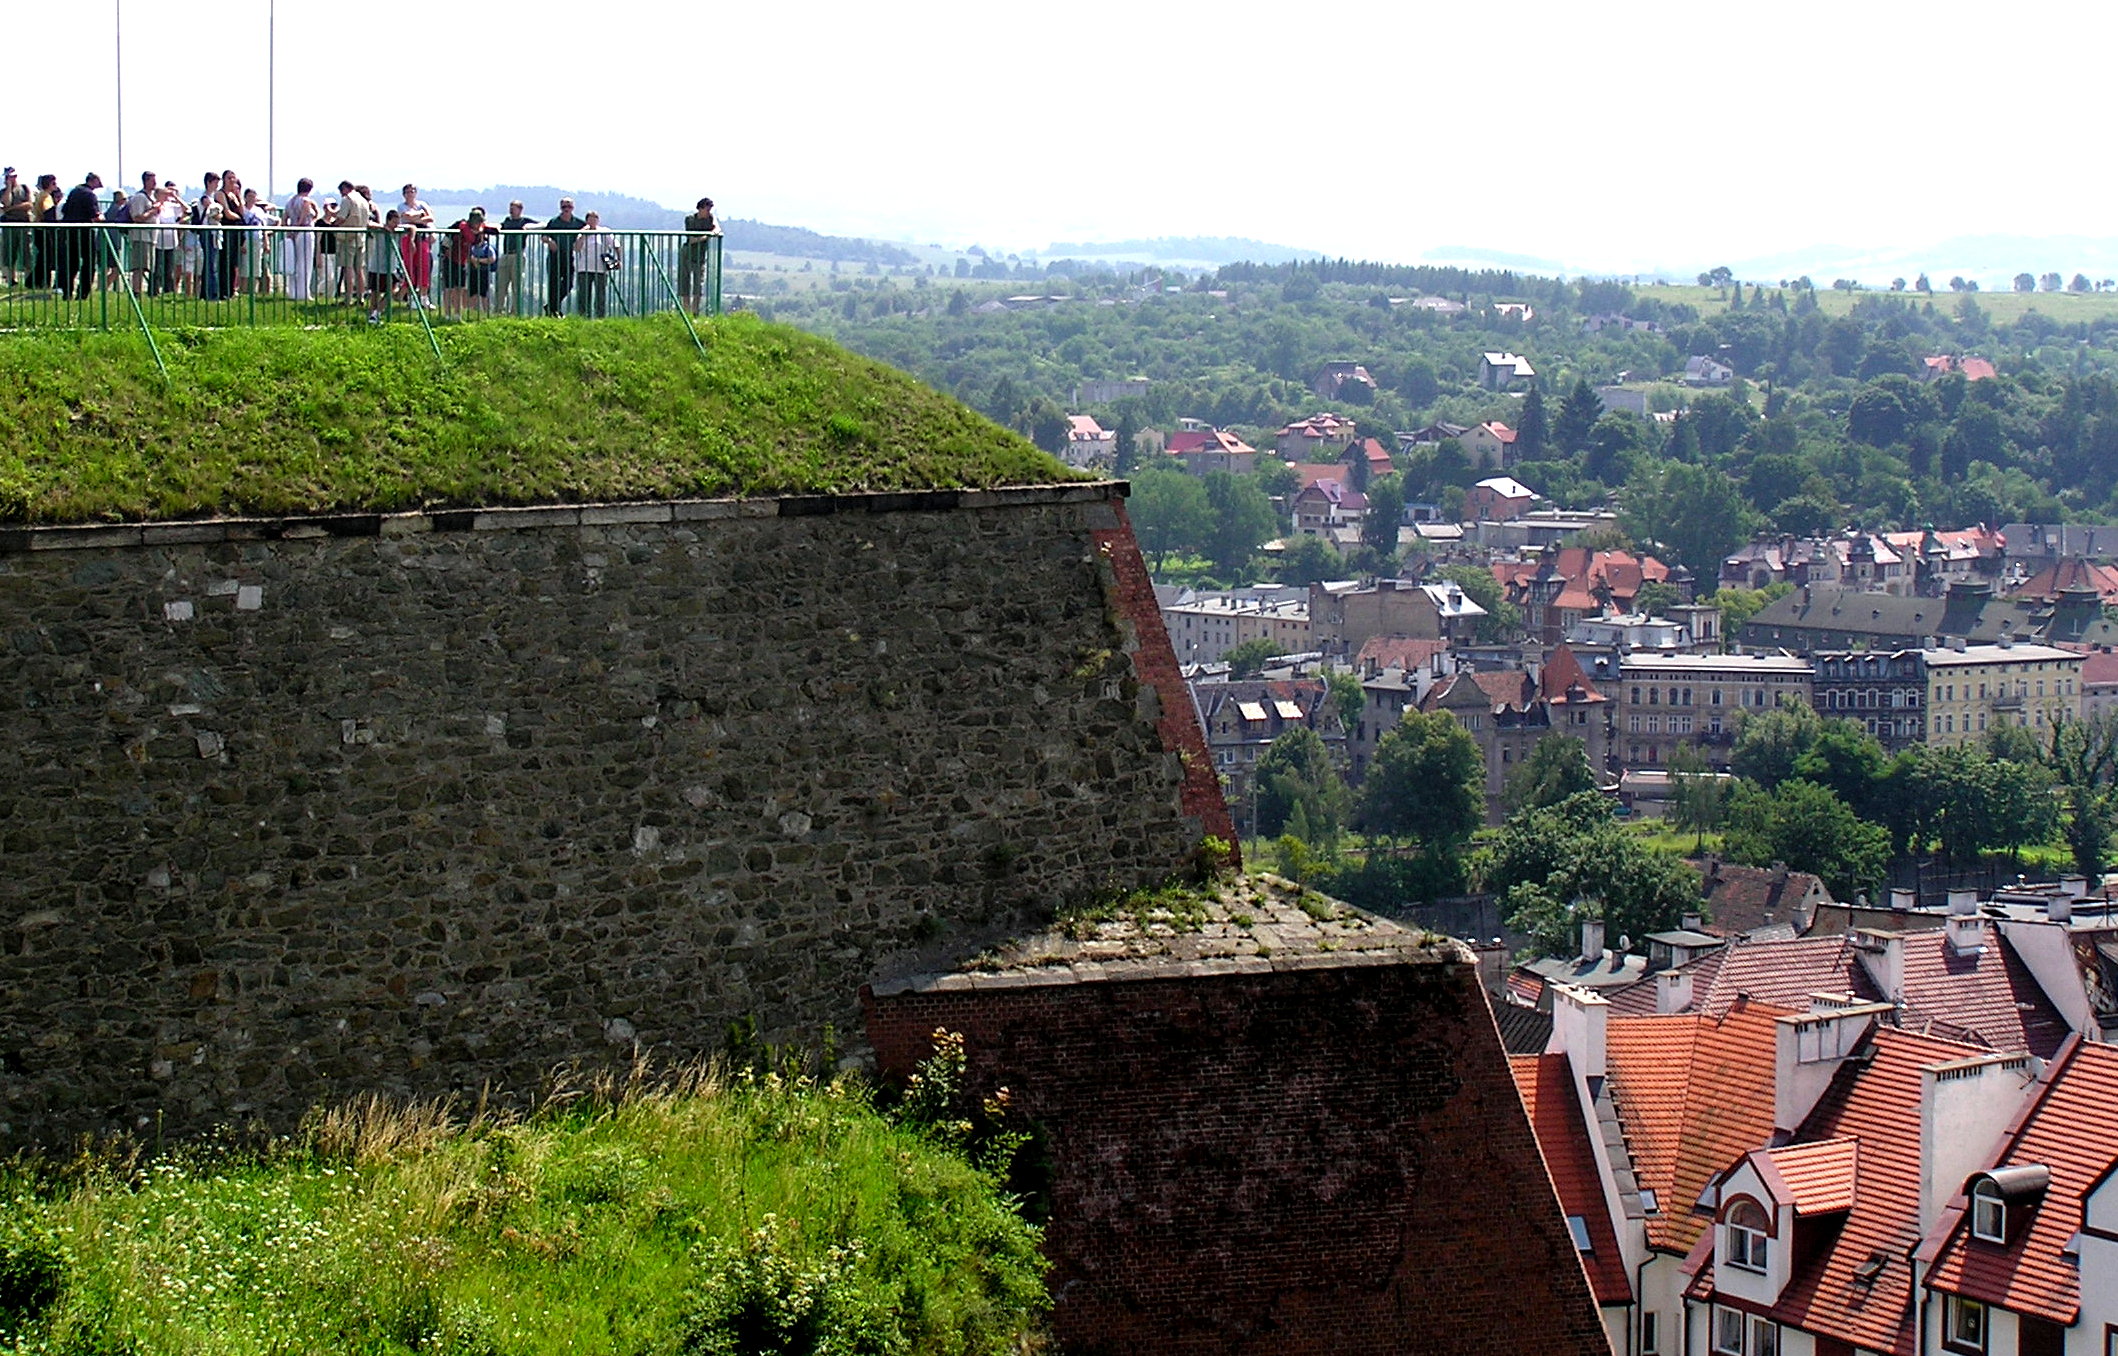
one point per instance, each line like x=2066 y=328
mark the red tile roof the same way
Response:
x=1740 y=898
x=2070 y=1127
x=1186 y=440
x=1562 y=675
x=1547 y=1086
x=1694 y=1094
x=1397 y=652
x=2099 y=666
x=1987 y=999
x=1873 y=1104
x=1818 y=1178
x=2072 y=573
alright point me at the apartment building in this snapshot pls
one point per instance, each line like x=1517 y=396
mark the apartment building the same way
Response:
x=1664 y=700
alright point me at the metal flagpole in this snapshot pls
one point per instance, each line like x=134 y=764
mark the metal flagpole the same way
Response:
x=117 y=8
x=271 y=97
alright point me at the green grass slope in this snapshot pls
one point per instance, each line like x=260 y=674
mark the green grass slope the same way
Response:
x=737 y=1217
x=291 y=421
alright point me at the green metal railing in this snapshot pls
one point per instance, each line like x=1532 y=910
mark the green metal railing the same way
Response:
x=108 y=276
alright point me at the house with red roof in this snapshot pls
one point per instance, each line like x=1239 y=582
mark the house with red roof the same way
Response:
x=1570 y=584
x=1972 y=369
x=2010 y=1258
x=1326 y=505
x=1320 y=437
x=1510 y=711
x=1088 y=443
x=1853 y=1172
x=1496 y=499
x=1488 y=446
x=1813 y=1240
x=1202 y=450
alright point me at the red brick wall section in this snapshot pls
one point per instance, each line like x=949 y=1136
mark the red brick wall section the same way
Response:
x=1324 y=1160
x=1155 y=660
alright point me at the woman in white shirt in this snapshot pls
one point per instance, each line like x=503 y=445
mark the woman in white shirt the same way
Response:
x=596 y=257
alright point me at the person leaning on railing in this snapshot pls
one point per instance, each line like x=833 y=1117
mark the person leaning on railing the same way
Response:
x=507 y=276
x=559 y=257
x=596 y=258
x=16 y=213
x=79 y=248
x=44 y=206
x=699 y=230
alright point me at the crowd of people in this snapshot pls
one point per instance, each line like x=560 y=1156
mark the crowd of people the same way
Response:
x=230 y=240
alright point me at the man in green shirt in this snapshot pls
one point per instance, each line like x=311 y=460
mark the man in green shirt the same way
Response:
x=507 y=282
x=699 y=230
x=559 y=257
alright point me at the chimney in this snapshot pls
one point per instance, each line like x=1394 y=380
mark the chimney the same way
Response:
x=1882 y=956
x=1965 y=1105
x=1580 y=1019
x=1967 y=932
x=1808 y=1049
x=1591 y=940
x=2059 y=908
x=1672 y=991
x=1901 y=901
x=1694 y=922
x=1962 y=902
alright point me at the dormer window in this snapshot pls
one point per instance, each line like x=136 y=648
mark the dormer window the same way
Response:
x=2003 y=1198
x=1747 y=1235
x=1989 y=1213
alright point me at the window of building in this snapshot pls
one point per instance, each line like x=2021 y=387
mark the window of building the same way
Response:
x=1764 y=1337
x=1746 y=1235
x=1654 y=696
x=1577 y=1226
x=1989 y=1213
x=1651 y=1333
x=1728 y=1332
x=1713 y=695
x=1964 y=1324
x=1632 y=724
x=1654 y=725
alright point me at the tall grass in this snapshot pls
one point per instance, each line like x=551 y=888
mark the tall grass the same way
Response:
x=288 y=420
x=753 y=1214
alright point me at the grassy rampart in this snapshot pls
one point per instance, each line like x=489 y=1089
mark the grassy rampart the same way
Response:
x=762 y=1215
x=288 y=420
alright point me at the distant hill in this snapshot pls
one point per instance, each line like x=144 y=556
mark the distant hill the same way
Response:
x=627 y=213
x=1472 y=256
x=1195 y=250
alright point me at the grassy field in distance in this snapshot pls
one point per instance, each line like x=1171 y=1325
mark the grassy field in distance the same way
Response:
x=2002 y=308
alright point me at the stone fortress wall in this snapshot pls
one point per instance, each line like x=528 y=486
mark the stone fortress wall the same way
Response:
x=419 y=803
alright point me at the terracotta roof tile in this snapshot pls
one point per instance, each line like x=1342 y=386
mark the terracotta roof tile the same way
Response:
x=1819 y=1177
x=1988 y=998
x=1739 y=898
x=1873 y=1103
x=1694 y=1094
x=2071 y=1127
x=1397 y=652
x=1547 y=1086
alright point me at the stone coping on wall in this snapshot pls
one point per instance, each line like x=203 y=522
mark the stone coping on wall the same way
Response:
x=1250 y=925
x=191 y=532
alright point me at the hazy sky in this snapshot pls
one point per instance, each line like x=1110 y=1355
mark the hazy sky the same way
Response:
x=1619 y=137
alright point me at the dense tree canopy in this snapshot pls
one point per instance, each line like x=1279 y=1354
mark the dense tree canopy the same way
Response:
x=1426 y=783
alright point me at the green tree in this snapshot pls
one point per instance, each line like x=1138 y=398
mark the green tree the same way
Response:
x=2082 y=756
x=1694 y=511
x=1532 y=427
x=1557 y=767
x=1248 y=659
x=1807 y=827
x=1697 y=793
x=1770 y=744
x=1127 y=455
x=1308 y=560
x=1386 y=508
x=1171 y=514
x=1347 y=696
x=1426 y=783
x=1739 y=605
x=1241 y=521
x=1847 y=761
x=1579 y=410
x=2025 y=282
x=1297 y=773
x=1655 y=598
x=1554 y=865
x=1503 y=620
